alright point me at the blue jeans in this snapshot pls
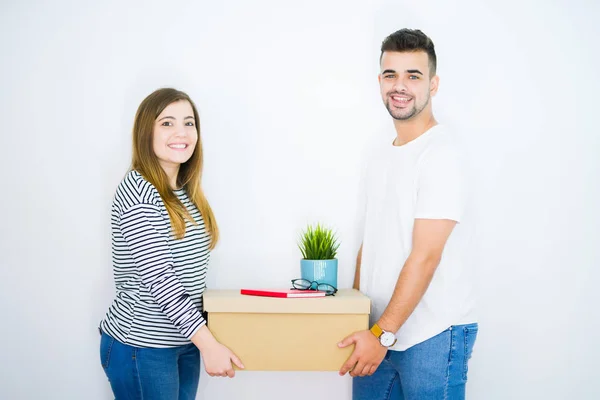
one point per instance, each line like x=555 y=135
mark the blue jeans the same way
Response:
x=137 y=373
x=433 y=370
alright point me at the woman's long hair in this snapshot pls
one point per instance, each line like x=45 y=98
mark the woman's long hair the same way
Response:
x=145 y=162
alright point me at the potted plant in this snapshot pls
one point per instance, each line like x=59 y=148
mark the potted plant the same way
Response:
x=319 y=246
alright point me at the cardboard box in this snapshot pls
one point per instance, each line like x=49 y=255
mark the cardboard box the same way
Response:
x=283 y=334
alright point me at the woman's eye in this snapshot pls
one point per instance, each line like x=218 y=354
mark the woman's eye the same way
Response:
x=189 y=124
x=167 y=123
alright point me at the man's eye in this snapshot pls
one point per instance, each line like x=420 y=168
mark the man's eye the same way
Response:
x=388 y=76
x=413 y=77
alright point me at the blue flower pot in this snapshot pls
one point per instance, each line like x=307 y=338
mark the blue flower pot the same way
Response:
x=321 y=271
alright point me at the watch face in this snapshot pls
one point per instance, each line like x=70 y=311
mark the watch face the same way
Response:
x=387 y=339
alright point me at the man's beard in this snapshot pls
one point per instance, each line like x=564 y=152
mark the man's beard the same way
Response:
x=402 y=115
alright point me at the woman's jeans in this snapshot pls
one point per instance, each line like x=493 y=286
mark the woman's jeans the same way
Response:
x=433 y=370
x=150 y=373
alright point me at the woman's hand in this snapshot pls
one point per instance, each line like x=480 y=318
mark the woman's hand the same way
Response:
x=217 y=357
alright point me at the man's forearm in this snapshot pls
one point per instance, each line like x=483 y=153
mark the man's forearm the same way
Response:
x=356 y=284
x=410 y=288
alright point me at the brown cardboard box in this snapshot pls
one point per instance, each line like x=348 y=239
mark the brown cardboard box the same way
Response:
x=282 y=334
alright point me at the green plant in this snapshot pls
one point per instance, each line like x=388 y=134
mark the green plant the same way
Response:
x=318 y=243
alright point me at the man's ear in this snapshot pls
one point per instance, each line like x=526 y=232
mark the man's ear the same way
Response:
x=433 y=85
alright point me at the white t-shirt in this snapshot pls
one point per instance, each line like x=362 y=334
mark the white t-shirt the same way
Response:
x=424 y=178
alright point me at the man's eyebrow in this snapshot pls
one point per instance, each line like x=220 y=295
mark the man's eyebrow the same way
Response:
x=408 y=71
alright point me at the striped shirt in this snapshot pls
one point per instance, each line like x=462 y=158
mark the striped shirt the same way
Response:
x=159 y=280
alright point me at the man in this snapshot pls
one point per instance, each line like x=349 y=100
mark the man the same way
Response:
x=412 y=261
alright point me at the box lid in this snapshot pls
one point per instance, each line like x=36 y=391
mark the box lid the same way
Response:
x=345 y=301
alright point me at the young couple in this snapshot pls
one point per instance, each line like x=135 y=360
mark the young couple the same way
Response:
x=411 y=263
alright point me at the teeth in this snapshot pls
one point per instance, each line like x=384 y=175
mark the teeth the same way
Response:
x=178 y=146
x=400 y=98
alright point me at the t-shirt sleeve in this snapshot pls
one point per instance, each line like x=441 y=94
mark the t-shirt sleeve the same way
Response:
x=141 y=228
x=441 y=185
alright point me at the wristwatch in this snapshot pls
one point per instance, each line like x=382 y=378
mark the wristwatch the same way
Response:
x=387 y=339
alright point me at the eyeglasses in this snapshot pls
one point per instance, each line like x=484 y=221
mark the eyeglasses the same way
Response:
x=305 y=284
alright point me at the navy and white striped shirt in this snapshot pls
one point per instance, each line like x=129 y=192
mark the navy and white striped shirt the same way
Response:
x=159 y=279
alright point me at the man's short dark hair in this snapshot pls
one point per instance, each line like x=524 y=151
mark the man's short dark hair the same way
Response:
x=411 y=40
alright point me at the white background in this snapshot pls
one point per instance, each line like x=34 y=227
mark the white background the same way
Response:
x=288 y=98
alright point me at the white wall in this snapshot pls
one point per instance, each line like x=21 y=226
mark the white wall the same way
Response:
x=288 y=99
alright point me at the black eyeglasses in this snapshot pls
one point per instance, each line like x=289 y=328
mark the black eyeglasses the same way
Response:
x=305 y=284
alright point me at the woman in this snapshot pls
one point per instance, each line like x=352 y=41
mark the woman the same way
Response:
x=162 y=232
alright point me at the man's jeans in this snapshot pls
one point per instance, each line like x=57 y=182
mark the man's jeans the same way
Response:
x=433 y=370
x=148 y=373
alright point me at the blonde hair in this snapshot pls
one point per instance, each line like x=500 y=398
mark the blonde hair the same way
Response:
x=145 y=161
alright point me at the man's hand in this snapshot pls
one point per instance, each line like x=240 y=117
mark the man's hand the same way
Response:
x=367 y=355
